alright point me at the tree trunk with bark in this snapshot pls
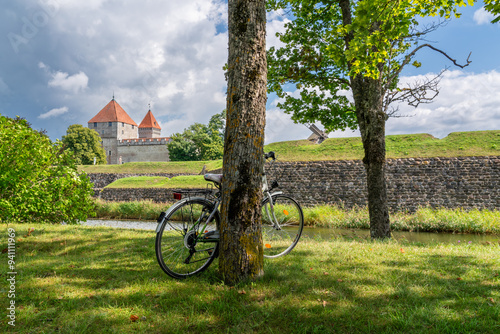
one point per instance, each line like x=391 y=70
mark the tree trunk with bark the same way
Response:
x=241 y=252
x=368 y=99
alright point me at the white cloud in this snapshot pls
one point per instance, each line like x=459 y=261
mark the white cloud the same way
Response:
x=466 y=102
x=54 y=112
x=481 y=16
x=74 y=83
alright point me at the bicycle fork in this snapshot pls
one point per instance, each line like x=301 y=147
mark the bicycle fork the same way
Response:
x=271 y=215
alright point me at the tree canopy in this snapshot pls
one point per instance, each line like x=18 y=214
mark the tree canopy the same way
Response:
x=85 y=144
x=336 y=49
x=319 y=62
x=38 y=179
x=493 y=6
x=199 y=141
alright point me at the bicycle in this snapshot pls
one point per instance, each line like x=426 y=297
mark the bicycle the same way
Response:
x=187 y=234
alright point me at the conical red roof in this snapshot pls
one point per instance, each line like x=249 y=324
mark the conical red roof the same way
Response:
x=149 y=121
x=112 y=112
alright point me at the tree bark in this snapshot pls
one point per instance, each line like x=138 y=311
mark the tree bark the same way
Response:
x=368 y=98
x=241 y=252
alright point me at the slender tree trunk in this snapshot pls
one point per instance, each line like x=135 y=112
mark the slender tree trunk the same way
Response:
x=368 y=97
x=241 y=253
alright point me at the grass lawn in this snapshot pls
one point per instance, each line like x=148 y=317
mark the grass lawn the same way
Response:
x=74 y=279
x=182 y=181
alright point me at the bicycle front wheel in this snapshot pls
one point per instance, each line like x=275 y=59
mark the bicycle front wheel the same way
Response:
x=184 y=242
x=281 y=226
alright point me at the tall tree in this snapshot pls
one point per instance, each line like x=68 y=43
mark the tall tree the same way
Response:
x=85 y=144
x=241 y=252
x=332 y=47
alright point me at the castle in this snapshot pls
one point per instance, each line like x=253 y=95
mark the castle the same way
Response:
x=124 y=141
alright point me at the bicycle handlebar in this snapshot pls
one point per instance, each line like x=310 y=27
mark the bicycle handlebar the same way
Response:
x=270 y=155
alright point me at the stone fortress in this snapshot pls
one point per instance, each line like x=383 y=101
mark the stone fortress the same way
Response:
x=124 y=140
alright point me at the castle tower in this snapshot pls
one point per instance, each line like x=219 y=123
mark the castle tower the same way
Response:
x=113 y=124
x=149 y=127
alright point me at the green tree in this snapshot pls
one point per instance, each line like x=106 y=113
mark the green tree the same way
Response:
x=493 y=6
x=38 y=179
x=85 y=144
x=333 y=47
x=199 y=142
x=241 y=250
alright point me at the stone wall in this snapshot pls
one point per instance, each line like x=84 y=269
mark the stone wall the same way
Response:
x=467 y=182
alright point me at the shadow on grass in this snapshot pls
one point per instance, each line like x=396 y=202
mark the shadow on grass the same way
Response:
x=94 y=279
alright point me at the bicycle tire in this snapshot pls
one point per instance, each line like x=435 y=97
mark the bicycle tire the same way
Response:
x=279 y=242
x=178 y=250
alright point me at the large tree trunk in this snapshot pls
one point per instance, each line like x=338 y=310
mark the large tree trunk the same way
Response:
x=241 y=252
x=368 y=97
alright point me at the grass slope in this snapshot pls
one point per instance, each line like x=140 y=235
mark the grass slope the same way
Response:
x=478 y=143
x=75 y=279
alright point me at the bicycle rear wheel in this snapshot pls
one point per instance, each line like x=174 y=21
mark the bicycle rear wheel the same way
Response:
x=280 y=235
x=183 y=247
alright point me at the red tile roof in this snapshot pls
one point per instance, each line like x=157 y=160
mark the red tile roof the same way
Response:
x=149 y=121
x=112 y=112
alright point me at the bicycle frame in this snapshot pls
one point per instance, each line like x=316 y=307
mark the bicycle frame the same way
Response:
x=214 y=237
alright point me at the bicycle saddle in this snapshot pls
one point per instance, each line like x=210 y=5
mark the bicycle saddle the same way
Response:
x=217 y=178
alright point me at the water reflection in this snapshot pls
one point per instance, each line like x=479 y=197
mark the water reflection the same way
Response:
x=329 y=233
x=424 y=237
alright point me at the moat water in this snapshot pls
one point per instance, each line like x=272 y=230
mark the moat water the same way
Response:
x=329 y=233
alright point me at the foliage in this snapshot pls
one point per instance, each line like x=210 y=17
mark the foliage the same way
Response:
x=493 y=6
x=199 y=141
x=38 y=179
x=85 y=144
x=322 y=53
x=339 y=285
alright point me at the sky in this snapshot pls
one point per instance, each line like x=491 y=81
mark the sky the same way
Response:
x=62 y=61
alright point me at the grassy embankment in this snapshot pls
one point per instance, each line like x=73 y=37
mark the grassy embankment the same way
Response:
x=76 y=279
x=421 y=145
x=478 y=143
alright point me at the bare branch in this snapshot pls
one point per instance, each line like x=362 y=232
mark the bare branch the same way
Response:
x=409 y=56
x=414 y=94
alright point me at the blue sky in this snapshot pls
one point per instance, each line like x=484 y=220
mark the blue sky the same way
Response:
x=62 y=61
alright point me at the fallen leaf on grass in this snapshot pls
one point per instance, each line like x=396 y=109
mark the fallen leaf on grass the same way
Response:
x=459 y=278
x=340 y=280
x=242 y=292
x=134 y=318
x=324 y=303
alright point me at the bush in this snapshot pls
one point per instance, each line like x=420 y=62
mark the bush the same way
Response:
x=38 y=179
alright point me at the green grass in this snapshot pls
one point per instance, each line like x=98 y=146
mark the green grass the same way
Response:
x=183 y=181
x=74 y=279
x=184 y=167
x=456 y=144
x=479 y=143
x=331 y=216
